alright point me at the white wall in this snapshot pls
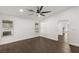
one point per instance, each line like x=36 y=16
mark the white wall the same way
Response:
x=23 y=29
x=49 y=26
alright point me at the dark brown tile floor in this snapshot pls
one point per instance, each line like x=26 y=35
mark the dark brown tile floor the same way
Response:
x=34 y=45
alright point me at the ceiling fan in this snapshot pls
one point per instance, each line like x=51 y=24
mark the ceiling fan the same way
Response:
x=39 y=11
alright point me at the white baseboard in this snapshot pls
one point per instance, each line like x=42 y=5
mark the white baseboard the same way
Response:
x=56 y=39
x=10 y=39
x=50 y=36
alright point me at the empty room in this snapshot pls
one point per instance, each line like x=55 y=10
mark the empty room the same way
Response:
x=39 y=29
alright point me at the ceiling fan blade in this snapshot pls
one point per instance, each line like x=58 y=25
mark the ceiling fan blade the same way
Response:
x=42 y=14
x=46 y=12
x=30 y=10
x=38 y=10
x=41 y=8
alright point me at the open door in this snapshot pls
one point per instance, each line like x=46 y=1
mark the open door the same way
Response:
x=63 y=36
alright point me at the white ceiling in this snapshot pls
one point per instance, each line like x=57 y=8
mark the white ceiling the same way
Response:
x=14 y=10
